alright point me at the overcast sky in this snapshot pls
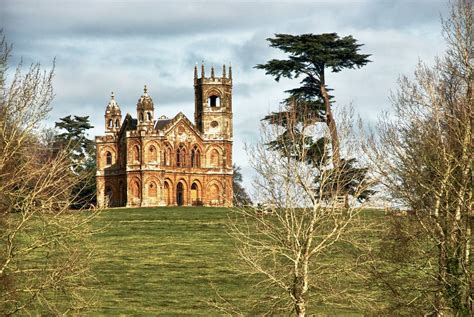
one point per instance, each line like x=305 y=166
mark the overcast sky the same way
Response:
x=102 y=46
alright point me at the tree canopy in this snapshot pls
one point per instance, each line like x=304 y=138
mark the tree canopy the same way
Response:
x=75 y=136
x=308 y=56
x=82 y=157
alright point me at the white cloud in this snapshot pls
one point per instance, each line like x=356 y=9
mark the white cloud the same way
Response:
x=108 y=45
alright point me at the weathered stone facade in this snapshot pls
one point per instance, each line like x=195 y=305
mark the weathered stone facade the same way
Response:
x=166 y=162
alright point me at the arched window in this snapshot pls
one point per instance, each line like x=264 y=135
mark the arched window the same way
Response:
x=108 y=158
x=181 y=156
x=152 y=189
x=214 y=158
x=117 y=123
x=167 y=156
x=214 y=101
x=141 y=116
x=136 y=153
x=152 y=154
x=148 y=115
x=195 y=157
x=111 y=123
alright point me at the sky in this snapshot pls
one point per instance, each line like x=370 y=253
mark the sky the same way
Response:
x=101 y=46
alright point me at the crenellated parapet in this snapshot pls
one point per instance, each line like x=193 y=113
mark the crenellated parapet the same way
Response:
x=203 y=80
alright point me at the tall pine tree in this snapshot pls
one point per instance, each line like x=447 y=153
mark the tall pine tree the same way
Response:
x=82 y=157
x=309 y=55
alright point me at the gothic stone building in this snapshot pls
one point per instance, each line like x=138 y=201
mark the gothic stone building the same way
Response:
x=167 y=162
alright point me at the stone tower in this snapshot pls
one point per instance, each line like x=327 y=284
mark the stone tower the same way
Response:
x=113 y=116
x=213 y=104
x=145 y=111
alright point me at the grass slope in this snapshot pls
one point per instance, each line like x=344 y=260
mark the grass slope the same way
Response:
x=162 y=261
x=170 y=261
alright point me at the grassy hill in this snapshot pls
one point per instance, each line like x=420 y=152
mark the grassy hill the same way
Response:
x=169 y=261
x=164 y=261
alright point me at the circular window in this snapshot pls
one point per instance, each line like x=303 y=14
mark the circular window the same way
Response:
x=214 y=124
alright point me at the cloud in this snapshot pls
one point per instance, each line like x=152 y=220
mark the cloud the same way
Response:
x=108 y=45
x=153 y=19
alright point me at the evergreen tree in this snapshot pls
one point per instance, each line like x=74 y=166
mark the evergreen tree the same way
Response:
x=309 y=55
x=75 y=136
x=82 y=157
x=241 y=198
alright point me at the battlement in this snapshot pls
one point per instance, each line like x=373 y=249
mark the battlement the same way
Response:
x=224 y=79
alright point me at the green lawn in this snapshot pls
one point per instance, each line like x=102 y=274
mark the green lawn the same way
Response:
x=164 y=261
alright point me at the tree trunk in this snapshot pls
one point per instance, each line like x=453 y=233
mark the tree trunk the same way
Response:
x=300 y=282
x=300 y=307
x=336 y=156
x=298 y=293
x=440 y=300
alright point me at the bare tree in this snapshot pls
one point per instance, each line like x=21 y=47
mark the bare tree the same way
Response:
x=44 y=252
x=286 y=241
x=424 y=155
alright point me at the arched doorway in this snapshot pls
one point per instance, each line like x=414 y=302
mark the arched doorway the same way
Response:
x=109 y=195
x=166 y=194
x=121 y=193
x=195 y=195
x=179 y=194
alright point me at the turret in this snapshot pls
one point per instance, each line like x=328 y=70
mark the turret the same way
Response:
x=145 y=111
x=113 y=116
x=213 y=104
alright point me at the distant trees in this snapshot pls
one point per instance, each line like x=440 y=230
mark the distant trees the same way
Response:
x=241 y=198
x=424 y=155
x=44 y=250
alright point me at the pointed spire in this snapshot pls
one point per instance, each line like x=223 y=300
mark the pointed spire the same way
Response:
x=195 y=71
x=112 y=96
x=230 y=71
x=202 y=69
x=212 y=71
x=145 y=91
x=223 y=71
